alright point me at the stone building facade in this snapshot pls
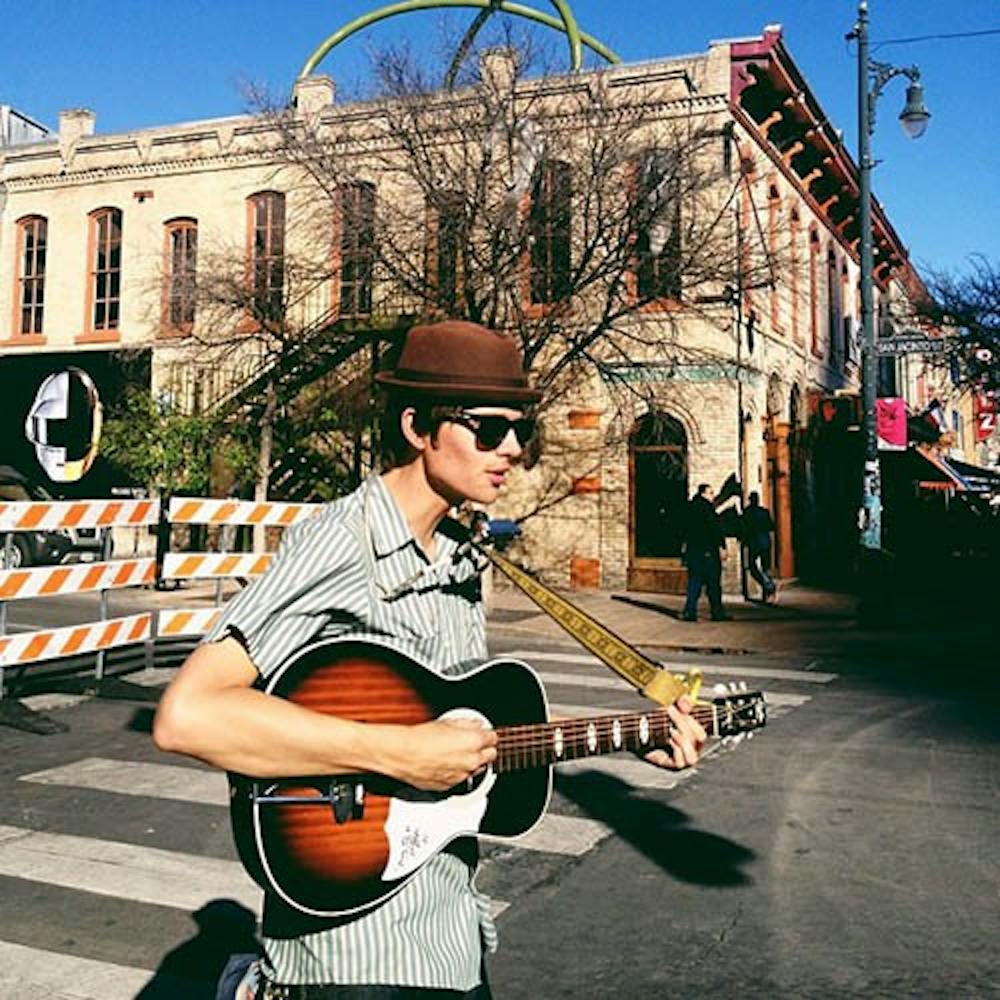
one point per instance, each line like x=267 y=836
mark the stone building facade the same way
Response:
x=116 y=218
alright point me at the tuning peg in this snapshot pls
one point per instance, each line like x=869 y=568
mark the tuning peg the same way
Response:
x=720 y=689
x=743 y=685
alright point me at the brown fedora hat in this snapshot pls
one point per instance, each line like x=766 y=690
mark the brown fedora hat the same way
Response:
x=455 y=360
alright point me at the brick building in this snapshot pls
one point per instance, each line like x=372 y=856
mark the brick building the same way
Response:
x=102 y=236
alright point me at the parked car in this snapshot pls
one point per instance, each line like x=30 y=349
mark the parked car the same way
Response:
x=37 y=548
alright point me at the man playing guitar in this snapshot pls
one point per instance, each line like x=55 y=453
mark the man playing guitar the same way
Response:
x=384 y=563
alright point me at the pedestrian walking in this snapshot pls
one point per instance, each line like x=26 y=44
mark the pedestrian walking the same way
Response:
x=758 y=525
x=704 y=541
x=385 y=563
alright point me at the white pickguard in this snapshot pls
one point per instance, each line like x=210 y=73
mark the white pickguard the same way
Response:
x=416 y=831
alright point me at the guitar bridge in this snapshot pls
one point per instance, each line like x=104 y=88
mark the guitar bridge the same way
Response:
x=347 y=800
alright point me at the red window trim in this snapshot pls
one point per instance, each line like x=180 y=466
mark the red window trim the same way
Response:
x=170 y=228
x=92 y=333
x=17 y=334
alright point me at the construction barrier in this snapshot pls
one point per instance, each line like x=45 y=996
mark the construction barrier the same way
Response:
x=213 y=565
x=196 y=510
x=34 y=516
x=31 y=647
x=23 y=649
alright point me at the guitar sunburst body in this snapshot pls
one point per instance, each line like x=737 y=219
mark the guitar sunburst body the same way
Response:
x=326 y=867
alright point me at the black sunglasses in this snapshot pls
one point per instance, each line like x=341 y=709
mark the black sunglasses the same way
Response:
x=491 y=430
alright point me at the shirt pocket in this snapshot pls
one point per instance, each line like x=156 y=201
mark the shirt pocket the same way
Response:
x=412 y=616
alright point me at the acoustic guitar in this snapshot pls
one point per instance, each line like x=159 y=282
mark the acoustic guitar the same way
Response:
x=342 y=844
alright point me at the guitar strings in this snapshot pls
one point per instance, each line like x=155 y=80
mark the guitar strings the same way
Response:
x=541 y=736
x=514 y=735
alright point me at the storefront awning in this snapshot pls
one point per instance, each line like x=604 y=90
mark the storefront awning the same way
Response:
x=976 y=478
x=923 y=467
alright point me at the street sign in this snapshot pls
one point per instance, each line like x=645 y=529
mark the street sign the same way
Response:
x=909 y=344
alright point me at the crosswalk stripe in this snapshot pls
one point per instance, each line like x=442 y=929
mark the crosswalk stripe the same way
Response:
x=532 y=656
x=33 y=973
x=126 y=871
x=132 y=777
x=555 y=834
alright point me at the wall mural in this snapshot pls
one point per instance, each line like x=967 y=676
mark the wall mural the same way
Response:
x=53 y=413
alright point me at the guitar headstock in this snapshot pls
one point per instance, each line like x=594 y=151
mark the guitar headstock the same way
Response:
x=736 y=711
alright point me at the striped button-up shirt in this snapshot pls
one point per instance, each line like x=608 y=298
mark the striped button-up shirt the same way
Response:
x=355 y=569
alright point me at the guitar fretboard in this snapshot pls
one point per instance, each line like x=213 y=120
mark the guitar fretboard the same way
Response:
x=521 y=747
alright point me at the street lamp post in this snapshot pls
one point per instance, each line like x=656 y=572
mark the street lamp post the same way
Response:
x=872 y=78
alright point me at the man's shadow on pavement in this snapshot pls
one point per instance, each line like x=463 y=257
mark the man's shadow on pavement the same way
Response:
x=658 y=831
x=192 y=969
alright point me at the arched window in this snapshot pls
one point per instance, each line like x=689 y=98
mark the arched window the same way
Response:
x=32 y=242
x=266 y=225
x=773 y=234
x=357 y=248
x=550 y=227
x=814 y=294
x=657 y=211
x=181 y=253
x=834 y=307
x=794 y=236
x=658 y=456
x=105 y=269
x=444 y=248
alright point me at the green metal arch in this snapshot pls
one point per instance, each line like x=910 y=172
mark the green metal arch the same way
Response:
x=567 y=25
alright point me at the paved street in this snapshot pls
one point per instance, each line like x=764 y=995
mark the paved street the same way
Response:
x=848 y=850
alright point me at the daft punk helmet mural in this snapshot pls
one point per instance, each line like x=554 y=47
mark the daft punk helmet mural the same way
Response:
x=64 y=424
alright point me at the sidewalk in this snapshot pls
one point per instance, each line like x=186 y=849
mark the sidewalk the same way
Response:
x=805 y=621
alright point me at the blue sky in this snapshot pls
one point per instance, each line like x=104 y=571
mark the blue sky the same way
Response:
x=142 y=63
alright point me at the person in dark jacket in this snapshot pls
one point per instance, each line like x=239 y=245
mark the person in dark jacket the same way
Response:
x=758 y=525
x=704 y=540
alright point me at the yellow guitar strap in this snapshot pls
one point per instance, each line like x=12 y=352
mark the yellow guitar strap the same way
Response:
x=648 y=677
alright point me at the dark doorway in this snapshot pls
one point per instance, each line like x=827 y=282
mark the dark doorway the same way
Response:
x=658 y=465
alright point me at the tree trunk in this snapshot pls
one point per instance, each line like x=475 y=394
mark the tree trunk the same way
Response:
x=264 y=461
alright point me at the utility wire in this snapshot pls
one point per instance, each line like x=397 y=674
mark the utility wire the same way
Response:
x=934 y=38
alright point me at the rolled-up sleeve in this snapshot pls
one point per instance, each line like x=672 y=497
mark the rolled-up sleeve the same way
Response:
x=316 y=584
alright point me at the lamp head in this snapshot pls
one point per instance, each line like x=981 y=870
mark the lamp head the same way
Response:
x=914 y=116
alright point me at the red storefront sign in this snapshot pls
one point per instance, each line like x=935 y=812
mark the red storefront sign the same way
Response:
x=984 y=412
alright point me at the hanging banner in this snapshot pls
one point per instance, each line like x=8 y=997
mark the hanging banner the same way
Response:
x=984 y=413
x=890 y=423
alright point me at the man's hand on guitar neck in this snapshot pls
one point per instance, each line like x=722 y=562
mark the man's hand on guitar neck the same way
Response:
x=687 y=737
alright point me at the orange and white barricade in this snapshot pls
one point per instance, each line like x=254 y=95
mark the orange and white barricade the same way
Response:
x=199 y=510
x=173 y=622
x=75 y=578
x=220 y=566
x=214 y=565
x=37 y=516
x=94 y=637
x=25 y=648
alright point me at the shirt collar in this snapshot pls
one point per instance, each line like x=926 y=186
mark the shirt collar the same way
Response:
x=389 y=530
